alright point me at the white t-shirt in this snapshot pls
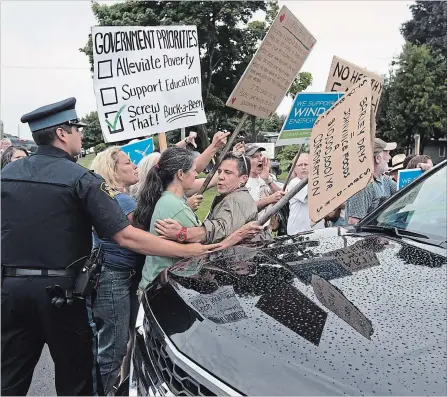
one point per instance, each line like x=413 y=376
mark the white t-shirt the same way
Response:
x=299 y=220
x=258 y=190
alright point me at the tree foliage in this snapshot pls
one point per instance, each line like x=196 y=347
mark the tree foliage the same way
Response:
x=428 y=25
x=415 y=99
x=302 y=81
x=92 y=133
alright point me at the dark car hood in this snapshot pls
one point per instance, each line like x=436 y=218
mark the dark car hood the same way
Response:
x=323 y=313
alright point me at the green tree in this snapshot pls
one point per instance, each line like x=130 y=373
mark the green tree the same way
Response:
x=92 y=133
x=301 y=82
x=428 y=25
x=417 y=101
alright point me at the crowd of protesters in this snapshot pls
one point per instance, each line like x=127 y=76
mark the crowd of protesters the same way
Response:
x=160 y=196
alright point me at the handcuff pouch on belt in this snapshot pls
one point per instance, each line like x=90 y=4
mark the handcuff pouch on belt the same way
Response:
x=88 y=277
x=85 y=284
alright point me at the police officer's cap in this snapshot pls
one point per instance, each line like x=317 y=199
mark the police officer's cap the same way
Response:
x=58 y=113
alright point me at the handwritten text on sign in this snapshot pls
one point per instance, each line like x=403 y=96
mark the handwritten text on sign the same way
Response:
x=147 y=80
x=274 y=66
x=343 y=75
x=341 y=153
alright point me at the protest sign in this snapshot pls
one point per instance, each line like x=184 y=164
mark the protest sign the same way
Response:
x=343 y=75
x=147 y=80
x=269 y=149
x=336 y=302
x=220 y=307
x=404 y=177
x=341 y=136
x=305 y=110
x=273 y=68
x=138 y=150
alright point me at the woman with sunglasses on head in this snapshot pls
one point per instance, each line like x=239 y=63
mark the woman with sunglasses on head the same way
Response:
x=162 y=200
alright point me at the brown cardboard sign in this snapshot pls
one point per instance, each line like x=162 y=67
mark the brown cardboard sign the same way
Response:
x=343 y=75
x=341 y=152
x=274 y=66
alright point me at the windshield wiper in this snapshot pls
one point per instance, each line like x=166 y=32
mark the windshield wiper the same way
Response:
x=396 y=232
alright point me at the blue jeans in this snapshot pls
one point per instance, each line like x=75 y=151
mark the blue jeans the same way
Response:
x=116 y=309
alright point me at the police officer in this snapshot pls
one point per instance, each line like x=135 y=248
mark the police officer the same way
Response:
x=49 y=206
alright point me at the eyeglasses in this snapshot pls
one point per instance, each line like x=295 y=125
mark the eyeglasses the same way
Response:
x=239 y=155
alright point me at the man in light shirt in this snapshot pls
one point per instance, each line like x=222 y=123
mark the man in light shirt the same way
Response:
x=261 y=184
x=299 y=220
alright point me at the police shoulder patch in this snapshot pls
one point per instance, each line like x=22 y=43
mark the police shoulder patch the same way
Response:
x=108 y=190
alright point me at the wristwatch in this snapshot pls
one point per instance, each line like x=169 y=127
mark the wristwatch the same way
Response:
x=182 y=235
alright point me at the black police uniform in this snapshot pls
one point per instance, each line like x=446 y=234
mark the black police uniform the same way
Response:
x=49 y=205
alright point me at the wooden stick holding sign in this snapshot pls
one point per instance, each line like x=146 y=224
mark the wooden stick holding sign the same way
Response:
x=281 y=203
x=162 y=141
x=289 y=177
x=223 y=154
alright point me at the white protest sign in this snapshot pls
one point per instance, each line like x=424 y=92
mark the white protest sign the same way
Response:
x=147 y=80
x=273 y=68
x=343 y=75
x=221 y=306
x=340 y=137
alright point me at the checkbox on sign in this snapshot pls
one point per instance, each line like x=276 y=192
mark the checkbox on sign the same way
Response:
x=109 y=96
x=105 y=69
x=114 y=121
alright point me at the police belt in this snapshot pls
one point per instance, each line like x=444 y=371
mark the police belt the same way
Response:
x=21 y=272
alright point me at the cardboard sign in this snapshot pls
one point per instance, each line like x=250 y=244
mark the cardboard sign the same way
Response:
x=305 y=110
x=341 y=152
x=138 y=150
x=147 y=80
x=404 y=177
x=336 y=302
x=343 y=75
x=273 y=68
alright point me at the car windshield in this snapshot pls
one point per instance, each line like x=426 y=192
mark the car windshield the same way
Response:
x=422 y=209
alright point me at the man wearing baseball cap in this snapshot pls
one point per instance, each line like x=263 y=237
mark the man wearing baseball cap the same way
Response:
x=366 y=200
x=260 y=184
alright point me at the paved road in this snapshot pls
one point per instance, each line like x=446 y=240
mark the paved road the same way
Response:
x=43 y=379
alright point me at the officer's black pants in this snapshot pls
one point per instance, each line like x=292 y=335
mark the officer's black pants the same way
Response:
x=29 y=321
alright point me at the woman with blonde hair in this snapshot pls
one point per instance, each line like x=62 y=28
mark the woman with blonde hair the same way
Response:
x=116 y=306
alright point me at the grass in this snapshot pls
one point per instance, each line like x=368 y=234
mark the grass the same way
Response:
x=87 y=160
x=208 y=197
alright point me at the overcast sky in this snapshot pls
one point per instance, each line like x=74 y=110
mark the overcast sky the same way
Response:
x=41 y=62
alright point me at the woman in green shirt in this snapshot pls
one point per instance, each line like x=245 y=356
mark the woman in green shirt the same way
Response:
x=163 y=197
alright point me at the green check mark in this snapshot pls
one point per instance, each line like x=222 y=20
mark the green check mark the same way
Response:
x=117 y=117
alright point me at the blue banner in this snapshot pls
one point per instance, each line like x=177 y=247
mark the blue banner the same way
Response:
x=405 y=177
x=305 y=111
x=137 y=150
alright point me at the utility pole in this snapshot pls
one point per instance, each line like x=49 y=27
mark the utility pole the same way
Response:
x=18 y=130
x=1 y=129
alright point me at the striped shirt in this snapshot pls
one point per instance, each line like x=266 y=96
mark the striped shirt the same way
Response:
x=366 y=200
